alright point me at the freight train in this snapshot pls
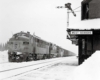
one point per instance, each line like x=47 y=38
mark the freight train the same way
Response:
x=26 y=47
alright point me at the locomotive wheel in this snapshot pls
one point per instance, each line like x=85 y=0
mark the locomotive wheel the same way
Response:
x=51 y=56
x=35 y=57
x=30 y=57
x=44 y=56
x=10 y=59
x=18 y=58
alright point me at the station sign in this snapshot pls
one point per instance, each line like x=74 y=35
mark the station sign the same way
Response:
x=81 y=32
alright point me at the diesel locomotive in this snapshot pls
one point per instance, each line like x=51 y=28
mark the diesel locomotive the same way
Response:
x=23 y=46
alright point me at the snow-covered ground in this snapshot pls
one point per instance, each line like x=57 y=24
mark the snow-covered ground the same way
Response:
x=67 y=63
x=89 y=70
x=10 y=70
x=68 y=70
x=3 y=56
x=59 y=71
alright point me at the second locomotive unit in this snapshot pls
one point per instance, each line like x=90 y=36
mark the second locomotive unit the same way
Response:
x=26 y=47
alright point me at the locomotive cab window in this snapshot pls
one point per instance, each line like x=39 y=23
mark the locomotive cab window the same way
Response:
x=25 y=43
x=10 y=42
x=27 y=35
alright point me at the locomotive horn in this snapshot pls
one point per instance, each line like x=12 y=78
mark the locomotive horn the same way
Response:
x=68 y=5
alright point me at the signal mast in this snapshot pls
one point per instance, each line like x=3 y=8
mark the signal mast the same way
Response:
x=68 y=6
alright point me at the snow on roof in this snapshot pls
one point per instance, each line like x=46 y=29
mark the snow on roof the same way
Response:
x=90 y=69
x=86 y=24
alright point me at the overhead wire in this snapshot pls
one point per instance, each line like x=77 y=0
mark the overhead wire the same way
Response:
x=77 y=7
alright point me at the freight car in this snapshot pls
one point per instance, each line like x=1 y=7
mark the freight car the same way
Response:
x=26 y=47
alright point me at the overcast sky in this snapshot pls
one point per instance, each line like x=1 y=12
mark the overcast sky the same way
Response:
x=40 y=17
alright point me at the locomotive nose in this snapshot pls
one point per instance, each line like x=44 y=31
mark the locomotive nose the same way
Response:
x=16 y=46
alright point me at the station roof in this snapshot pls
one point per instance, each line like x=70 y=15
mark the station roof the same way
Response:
x=86 y=24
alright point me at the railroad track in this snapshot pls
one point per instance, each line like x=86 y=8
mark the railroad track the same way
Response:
x=6 y=74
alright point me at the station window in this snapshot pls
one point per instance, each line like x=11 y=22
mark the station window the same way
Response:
x=85 y=10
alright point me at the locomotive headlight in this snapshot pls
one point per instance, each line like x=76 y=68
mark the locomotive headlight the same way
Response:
x=21 y=55
x=17 y=57
x=18 y=53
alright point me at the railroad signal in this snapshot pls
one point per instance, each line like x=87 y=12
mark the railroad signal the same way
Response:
x=60 y=7
x=68 y=5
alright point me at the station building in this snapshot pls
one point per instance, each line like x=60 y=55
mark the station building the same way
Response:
x=86 y=34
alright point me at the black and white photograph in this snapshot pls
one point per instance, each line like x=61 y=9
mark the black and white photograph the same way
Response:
x=49 y=39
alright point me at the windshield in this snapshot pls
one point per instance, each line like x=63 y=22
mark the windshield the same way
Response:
x=21 y=34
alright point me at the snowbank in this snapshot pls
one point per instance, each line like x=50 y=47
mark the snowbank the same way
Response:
x=89 y=70
x=3 y=56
